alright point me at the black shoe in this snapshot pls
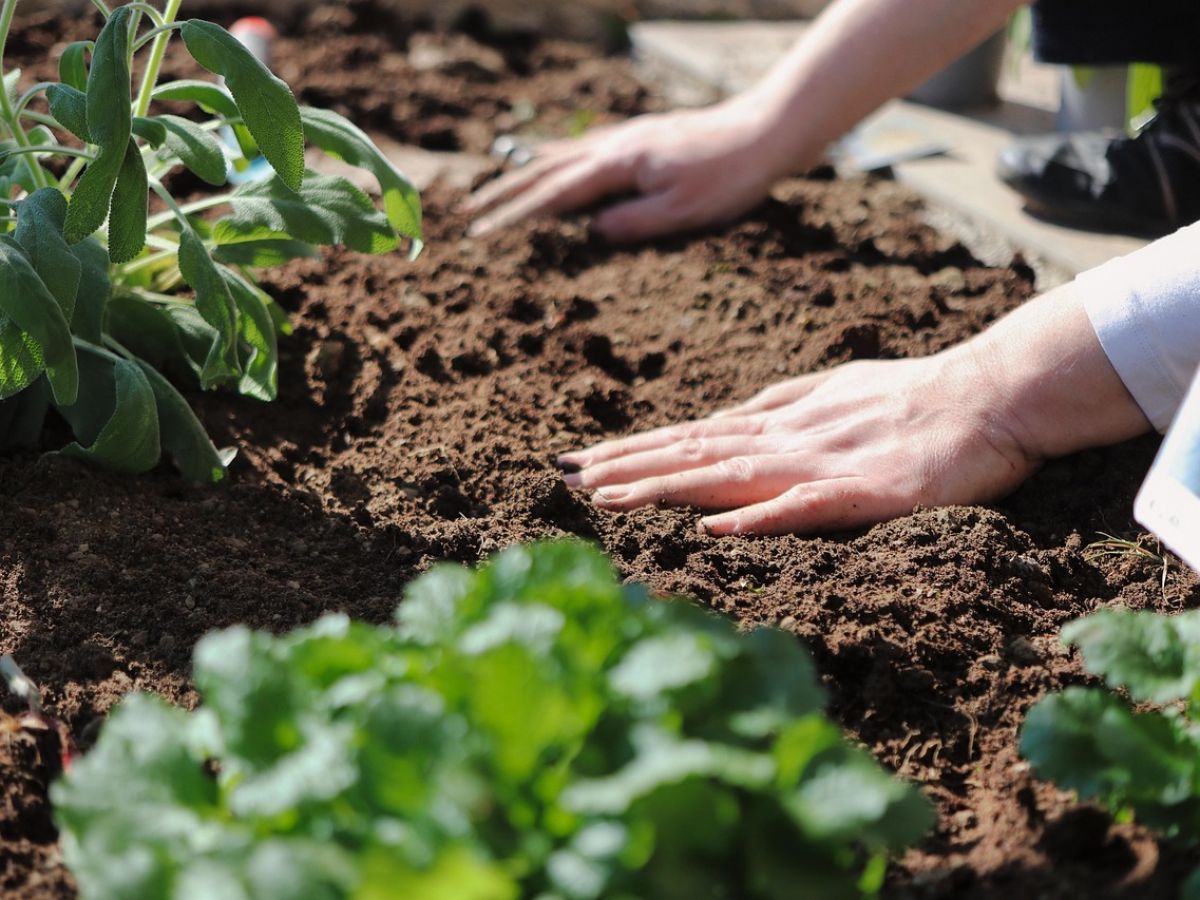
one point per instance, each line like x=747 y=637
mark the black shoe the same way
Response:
x=1147 y=184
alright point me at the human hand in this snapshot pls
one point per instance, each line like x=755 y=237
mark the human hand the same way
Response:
x=690 y=169
x=870 y=440
x=860 y=444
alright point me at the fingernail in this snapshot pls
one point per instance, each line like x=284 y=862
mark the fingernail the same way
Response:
x=715 y=526
x=479 y=229
x=569 y=462
x=573 y=479
x=610 y=495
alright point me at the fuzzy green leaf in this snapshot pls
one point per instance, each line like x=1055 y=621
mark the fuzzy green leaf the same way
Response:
x=216 y=305
x=127 y=218
x=182 y=436
x=260 y=353
x=211 y=98
x=1089 y=741
x=34 y=334
x=343 y=140
x=1154 y=657
x=196 y=148
x=115 y=419
x=267 y=106
x=264 y=254
x=69 y=106
x=109 y=121
x=326 y=210
x=40 y=220
x=94 y=290
x=476 y=750
x=72 y=65
x=22 y=416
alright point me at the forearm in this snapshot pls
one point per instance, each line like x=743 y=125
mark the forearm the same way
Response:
x=856 y=56
x=1053 y=384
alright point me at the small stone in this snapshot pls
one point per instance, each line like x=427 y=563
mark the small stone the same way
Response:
x=328 y=357
x=787 y=623
x=1021 y=650
x=189 y=601
x=166 y=643
x=294 y=585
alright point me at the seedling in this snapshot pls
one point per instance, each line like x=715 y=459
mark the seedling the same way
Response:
x=1109 y=545
x=1138 y=754
x=106 y=303
x=531 y=729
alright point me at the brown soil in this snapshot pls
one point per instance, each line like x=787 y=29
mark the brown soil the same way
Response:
x=420 y=407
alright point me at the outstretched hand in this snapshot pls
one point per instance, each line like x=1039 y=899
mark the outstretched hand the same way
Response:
x=860 y=444
x=870 y=440
x=688 y=169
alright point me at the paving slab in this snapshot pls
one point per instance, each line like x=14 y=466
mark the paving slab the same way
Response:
x=715 y=59
x=423 y=167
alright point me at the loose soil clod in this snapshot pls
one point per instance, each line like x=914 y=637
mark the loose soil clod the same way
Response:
x=421 y=407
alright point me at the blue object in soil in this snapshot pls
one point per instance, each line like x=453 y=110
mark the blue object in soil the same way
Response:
x=258 y=169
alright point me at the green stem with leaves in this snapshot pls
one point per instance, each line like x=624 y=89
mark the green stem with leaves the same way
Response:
x=11 y=119
x=157 y=52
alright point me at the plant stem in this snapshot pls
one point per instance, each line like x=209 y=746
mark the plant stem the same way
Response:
x=71 y=174
x=150 y=260
x=142 y=106
x=19 y=109
x=197 y=206
x=54 y=149
x=96 y=349
x=104 y=10
x=6 y=108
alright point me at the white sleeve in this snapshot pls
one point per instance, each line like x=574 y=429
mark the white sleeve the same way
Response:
x=1145 y=308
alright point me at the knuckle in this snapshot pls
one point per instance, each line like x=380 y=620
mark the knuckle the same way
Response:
x=691 y=449
x=738 y=469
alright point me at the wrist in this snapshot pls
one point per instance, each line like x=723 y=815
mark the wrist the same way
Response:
x=1050 y=384
x=771 y=144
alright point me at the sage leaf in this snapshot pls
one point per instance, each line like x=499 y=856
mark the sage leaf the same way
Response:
x=196 y=148
x=109 y=121
x=211 y=98
x=264 y=254
x=69 y=106
x=115 y=420
x=127 y=217
x=94 y=289
x=260 y=357
x=216 y=305
x=266 y=104
x=150 y=333
x=72 y=65
x=40 y=220
x=344 y=140
x=35 y=335
x=182 y=436
x=23 y=416
x=327 y=209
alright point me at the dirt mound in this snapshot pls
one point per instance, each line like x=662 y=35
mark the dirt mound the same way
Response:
x=421 y=405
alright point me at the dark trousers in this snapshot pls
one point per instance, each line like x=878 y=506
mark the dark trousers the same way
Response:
x=1113 y=32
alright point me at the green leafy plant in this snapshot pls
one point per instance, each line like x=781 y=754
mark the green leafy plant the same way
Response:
x=1141 y=761
x=101 y=299
x=529 y=729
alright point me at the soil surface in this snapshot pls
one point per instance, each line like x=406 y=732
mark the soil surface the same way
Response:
x=421 y=404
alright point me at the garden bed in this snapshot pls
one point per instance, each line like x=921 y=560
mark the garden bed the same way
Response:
x=420 y=407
